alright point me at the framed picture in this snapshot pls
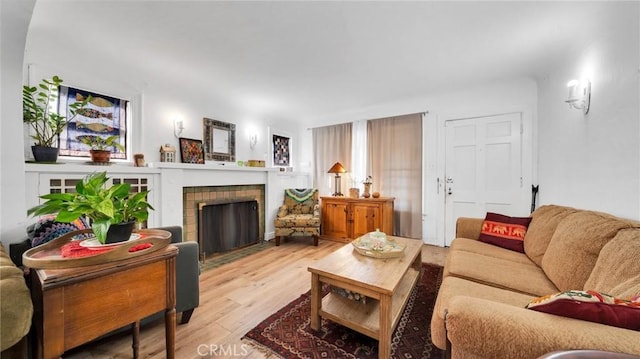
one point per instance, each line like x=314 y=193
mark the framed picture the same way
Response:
x=104 y=116
x=281 y=145
x=191 y=150
x=219 y=140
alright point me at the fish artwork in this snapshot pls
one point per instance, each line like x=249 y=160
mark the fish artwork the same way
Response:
x=95 y=127
x=96 y=101
x=91 y=113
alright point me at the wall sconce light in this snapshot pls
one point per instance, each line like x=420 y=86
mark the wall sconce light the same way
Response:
x=579 y=95
x=178 y=126
x=253 y=140
x=337 y=168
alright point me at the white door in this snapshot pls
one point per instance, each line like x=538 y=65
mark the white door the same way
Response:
x=483 y=168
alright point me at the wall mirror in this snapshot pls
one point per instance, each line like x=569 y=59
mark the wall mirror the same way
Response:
x=219 y=140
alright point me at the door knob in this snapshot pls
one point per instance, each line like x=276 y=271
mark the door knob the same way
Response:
x=449 y=192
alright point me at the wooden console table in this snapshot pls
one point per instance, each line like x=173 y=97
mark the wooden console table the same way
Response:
x=76 y=305
x=346 y=218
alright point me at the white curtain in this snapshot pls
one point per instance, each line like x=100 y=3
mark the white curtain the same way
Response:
x=358 y=170
x=331 y=144
x=395 y=163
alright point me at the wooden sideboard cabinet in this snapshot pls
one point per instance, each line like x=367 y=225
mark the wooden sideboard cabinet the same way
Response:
x=346 y=218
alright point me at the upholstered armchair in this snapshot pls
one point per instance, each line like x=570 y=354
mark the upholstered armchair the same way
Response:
x=299 y=215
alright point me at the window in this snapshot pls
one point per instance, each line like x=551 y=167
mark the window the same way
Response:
x=104 y=116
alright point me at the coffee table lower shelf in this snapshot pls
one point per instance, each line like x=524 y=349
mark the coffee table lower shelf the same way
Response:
x=365 y=317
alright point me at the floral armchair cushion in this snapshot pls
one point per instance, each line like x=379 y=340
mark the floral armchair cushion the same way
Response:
x=300 y=213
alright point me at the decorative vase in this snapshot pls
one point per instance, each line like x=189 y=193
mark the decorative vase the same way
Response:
x=120 y=232
x=100 y=156
x=367 y=190
x=44 y=154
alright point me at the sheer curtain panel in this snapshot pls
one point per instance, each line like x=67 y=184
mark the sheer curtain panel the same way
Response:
x=395 y=163
x=331 y=144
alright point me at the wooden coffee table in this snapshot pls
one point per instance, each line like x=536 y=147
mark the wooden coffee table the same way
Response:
x=387 y=283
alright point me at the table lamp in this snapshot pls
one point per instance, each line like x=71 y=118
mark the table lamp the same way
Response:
x=337 y=168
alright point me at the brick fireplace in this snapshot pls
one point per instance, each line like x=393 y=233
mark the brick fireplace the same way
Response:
x=197 y=195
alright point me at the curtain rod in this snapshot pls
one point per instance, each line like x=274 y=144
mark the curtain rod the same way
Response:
x=371 y=119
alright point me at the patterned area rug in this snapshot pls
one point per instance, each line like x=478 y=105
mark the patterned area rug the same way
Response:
x=288 y=334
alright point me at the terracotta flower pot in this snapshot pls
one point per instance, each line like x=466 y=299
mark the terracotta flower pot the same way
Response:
x=100 y=156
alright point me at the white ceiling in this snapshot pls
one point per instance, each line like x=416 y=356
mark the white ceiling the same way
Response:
x=302 y=59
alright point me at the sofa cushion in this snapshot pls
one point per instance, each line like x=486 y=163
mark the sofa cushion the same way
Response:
x=499 y=272
x=467 y=227
x=617 y=270
x=16 y=308
x=504 y=231
x=453 y=286
x=628 y=289
x=298 y=220
x=475 y=246
x=575 y=246
x=301 y=201
x=544 y=221
x=47 y=229
x=591 y=306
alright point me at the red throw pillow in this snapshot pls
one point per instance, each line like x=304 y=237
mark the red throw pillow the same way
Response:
x=504 y=231
x=591 y=306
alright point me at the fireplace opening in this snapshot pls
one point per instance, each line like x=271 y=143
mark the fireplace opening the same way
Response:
x=227 y=225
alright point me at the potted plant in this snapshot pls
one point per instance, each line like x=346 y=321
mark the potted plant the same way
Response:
x=101 y=147
x=46 y=124
x=109 y=209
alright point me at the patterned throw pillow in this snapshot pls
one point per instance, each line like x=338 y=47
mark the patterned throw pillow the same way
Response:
x=47 y=229
x=504 y=231
x=591 y=306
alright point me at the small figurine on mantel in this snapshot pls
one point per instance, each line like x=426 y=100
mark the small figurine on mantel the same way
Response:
x=367 y=186
x=167 y=153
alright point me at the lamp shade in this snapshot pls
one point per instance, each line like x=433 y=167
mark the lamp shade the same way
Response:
x=337 y=168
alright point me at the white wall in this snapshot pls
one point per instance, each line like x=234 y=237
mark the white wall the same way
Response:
x=14 y=21
x=593 y=161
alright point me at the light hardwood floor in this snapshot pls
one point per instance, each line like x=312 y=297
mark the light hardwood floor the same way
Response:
x=234 y=298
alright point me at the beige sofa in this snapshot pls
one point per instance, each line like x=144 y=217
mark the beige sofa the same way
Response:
x=16 y=309
x=485 y=288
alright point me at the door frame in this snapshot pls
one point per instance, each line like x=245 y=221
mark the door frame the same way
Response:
x=436 y=235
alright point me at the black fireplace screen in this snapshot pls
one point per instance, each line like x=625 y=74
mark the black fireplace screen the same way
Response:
x=226 y=226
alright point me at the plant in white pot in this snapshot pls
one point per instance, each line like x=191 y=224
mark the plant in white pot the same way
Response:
x=109 y=209
x=46 y=125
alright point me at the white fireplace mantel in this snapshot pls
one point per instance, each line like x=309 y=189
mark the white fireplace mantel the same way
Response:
x=166 y=181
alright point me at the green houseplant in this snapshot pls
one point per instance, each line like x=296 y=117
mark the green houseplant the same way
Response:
x=46 y=124
x=101 y=147
x=105 y=207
